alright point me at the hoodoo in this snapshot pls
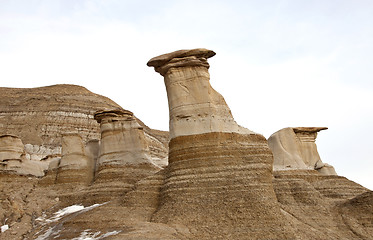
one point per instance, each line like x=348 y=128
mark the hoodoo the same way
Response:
x=219 y=177
x=295 y=148
x=194 y=106
x=124 y=156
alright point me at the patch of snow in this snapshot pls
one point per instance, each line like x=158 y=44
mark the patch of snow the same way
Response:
x=86 y=235
x=48 y=234
x=54 y=232
x=110 y=234
x=4 y=228
x=67 y=210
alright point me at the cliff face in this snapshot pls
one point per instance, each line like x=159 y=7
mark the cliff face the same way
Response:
x=40 y=116
x=104 y=174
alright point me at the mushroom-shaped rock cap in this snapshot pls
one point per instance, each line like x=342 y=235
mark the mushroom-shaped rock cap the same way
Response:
x=165 y=58
x=182 y=58
x=115 y=113
x=309 y=129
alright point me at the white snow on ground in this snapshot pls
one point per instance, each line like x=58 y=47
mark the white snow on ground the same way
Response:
x=4 y=228
x=67 y=210
x=86 y=235
x=53 y=232
x=49 y=233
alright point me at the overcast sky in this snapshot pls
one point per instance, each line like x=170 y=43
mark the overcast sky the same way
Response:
x=279 y=63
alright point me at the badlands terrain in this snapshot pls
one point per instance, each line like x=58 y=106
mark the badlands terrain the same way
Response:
x=76 y=165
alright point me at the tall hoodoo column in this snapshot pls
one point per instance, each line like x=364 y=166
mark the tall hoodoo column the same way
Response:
x=219 y=178
x=195 y=107
x=124 y=156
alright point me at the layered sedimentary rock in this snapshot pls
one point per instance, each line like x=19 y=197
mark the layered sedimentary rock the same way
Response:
x=39 y=117
x=124 y=155
x=13 y=158
x=295 y=148
x=219 y=184
x=194 y=106
x=11 y=147
x=311 y=204
x=309 y=191
x=75 y=166
x=217 y=169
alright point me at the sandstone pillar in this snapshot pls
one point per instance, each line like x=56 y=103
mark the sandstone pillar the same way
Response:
x=194 y=106
x=219 y=179
x=75 y=166
x=124 y=156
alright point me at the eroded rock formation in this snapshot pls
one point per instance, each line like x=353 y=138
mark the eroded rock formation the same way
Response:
x=220 y=182
x=295 y=148
x=13 y=158
x=194 y=106
x=11 y=147
x=216 y=168
x=75 y=166
x=39 y=117
x=309 y=191
x=124 y=155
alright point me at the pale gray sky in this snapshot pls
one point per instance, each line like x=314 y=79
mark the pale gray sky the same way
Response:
x=278 y=64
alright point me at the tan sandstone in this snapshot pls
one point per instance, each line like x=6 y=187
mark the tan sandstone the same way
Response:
x=194 y=106
x=39 y=117
x=13 y=158
x=220 y=182
x=216 y=168
x=295 y=148
x=75 y=166
x=124 y=155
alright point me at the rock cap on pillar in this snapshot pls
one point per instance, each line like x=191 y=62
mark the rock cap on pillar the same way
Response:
x=181 y=58
x=309 y=129
x=194 y=106
x=112 y=115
